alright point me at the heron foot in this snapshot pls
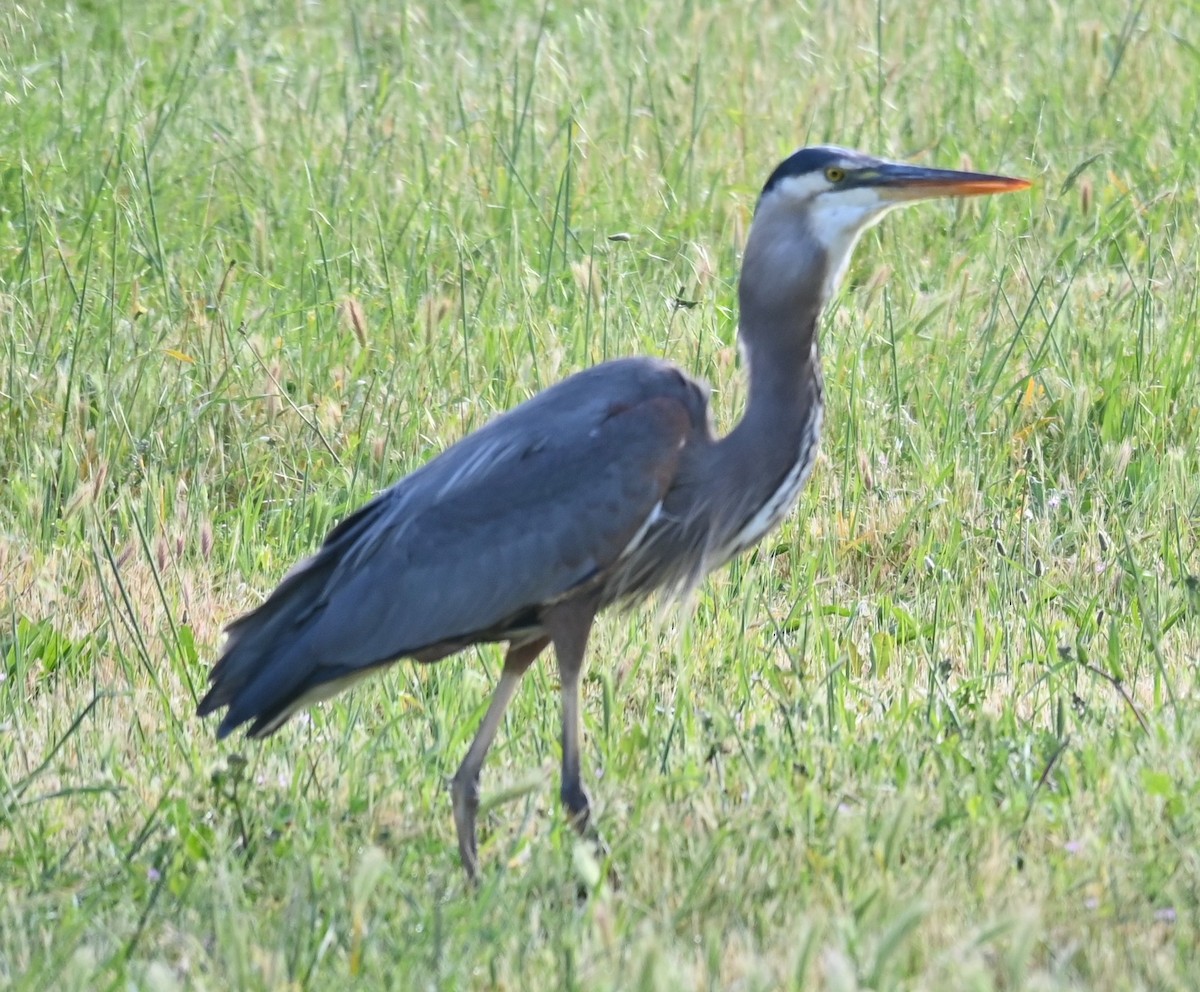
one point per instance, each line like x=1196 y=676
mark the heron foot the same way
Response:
x=464 y=795
x=578 y=806
x=579 y=814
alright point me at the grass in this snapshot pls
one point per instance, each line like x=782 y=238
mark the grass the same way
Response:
x=256 y=261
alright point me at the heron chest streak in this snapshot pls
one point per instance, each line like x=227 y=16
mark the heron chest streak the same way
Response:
x=780 y=502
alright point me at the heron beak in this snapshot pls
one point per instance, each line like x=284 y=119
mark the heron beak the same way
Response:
x=901 y=183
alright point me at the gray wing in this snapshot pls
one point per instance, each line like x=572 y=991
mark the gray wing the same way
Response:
x=539 y=502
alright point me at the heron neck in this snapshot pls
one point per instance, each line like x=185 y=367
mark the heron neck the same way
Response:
x=766 y=458
x=784 y=373
x=781 y=296
x=783 y=409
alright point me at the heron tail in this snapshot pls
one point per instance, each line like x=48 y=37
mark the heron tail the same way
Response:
x=265 y=672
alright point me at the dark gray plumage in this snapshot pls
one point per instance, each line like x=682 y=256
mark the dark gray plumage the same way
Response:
x=604 y=488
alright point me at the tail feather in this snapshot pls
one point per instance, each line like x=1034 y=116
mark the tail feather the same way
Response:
x=264 y=668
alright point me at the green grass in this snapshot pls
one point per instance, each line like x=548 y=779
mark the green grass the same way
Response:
x=938 y=733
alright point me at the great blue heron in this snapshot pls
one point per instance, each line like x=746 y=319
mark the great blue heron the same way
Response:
x=604 y=488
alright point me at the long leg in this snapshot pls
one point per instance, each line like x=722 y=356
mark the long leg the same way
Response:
x=464 y=787
x=569 y=625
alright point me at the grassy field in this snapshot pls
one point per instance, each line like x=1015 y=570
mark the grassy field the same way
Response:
x=258 y=260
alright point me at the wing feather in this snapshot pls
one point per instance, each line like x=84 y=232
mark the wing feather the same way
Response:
x=537 y=503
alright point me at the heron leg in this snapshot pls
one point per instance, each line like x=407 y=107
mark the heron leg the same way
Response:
x=569 y=625
x=464 y=787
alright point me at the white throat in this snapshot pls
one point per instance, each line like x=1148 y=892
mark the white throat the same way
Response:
x=837 y=222
x=836 y=219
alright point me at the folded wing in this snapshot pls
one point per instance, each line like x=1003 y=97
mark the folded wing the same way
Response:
x=533 y=507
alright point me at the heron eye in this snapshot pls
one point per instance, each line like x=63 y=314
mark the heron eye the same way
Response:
x=834 y=174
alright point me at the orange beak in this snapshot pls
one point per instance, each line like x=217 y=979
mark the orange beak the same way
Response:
x=896 y=181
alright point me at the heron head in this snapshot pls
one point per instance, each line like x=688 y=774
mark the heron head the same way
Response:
x=818 y=201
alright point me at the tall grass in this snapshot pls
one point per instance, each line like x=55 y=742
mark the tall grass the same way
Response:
x=257 y=261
